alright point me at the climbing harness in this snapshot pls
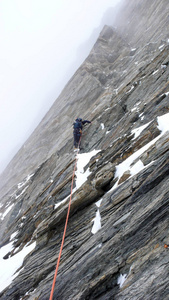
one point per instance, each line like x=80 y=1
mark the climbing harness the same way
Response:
x=64 y=233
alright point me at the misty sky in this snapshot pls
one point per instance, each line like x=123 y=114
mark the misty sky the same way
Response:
x=40 y=50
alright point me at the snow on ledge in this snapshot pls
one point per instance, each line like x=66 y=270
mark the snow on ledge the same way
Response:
x=163 y=126
x=10 y=265
x=138 y=130
x=3 y=215
x=81 y=175
x=82 y=160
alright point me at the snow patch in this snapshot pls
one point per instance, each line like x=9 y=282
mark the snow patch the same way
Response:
x=81 y=175
x=13 y=235
x=2 y=216
x=161 y=47
x=21 y=184
x=12 y=264
x=138 y=130
x=121 y=279
x=98 y=203
x=163 y=123
x=163 y=126
x=163 y=66
x=141 y=116
x=102 y=126
x=155 y=72
x=64 y=200
x=22 y=192
x=135 y=106
x=82 y=160
x=97 y=222
x=125 y=165
x=132 y=87
x=136 y=168
x=107 y=131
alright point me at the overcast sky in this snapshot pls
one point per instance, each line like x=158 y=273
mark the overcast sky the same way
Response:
x=40 y=50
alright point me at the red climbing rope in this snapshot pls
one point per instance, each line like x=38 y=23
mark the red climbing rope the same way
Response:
x=64 y=233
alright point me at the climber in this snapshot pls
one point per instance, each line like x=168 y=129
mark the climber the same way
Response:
x=77 y=131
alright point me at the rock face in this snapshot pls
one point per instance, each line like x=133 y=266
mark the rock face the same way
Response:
x=123 y=88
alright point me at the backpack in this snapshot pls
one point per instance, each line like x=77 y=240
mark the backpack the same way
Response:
x=77 y=126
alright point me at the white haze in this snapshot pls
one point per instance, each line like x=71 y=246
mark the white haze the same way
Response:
x=42 y=44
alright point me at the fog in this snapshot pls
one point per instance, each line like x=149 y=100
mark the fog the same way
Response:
x=42 y=44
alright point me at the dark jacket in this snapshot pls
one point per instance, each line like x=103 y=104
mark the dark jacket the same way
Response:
x=78 y=125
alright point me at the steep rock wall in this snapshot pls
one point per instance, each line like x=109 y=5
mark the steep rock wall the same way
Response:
x=119 y=91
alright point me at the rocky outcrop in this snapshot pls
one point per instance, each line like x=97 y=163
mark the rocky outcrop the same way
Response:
x=125 y=93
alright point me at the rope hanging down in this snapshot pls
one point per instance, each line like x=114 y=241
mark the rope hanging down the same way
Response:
x=64 y=233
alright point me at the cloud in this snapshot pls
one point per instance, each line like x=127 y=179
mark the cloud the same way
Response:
x=39 y=45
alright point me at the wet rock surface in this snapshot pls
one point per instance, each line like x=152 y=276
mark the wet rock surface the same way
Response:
x=123 y=90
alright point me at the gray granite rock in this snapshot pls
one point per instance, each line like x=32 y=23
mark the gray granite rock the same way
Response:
x=121 y=86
